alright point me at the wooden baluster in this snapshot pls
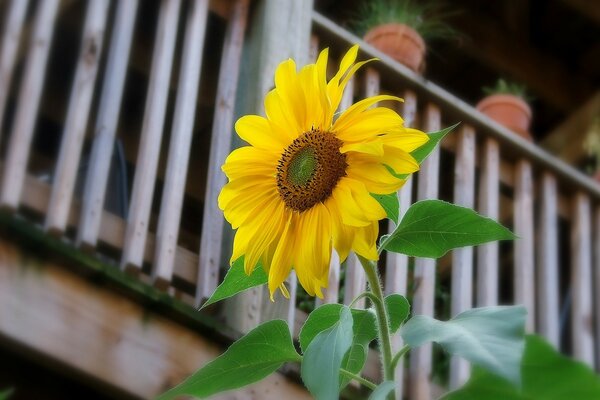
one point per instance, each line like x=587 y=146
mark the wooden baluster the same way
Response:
x=76 y=121
x=581 y=280
x=151 y=136
x=396 y=271
x=106 y=124
x=13 y=25
x=462 y=259
x=19 y=145
x=524 y=277
x=179 y=148
x=487 y=254
x=425 y=268
x=548 y=301
x=596 y=283
x=211 y=242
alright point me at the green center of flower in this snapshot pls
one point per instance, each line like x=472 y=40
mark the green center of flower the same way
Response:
x=309 y=169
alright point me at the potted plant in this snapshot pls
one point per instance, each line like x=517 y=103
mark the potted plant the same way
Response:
x=400 y=28
x=507 y=104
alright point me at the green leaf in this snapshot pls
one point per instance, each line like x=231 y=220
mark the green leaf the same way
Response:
x=398 y=309
x=237 y=281
x=323 y=358
x=490 y=337
x=546 y=375
x=364 y=331
x=382 y=390
x=390 y=204
x=6 y=393
x=422 y=152
x=253 y=357
x=430 y=228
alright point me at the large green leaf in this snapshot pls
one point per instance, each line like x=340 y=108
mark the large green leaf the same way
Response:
x=382 y=391
x=237 y=281
x=390 y=204
x=430 y=228
x=364 y=331
x=323 y=358
x=491 y=337
x=546 y=375
x=398 y=309
x=253 y=357
x=422 y=152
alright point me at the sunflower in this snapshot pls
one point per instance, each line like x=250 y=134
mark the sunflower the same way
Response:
x=304 y=184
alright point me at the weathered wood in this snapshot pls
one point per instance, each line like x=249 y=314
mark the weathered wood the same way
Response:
x=523 y=273
x=19 y=145
x=179 y=149
x=462 y=259
x=11 y=37
x=596 y=282
x=489 y=202
x=547 y=262
x=151 y=137
x=424 y=274
x=106 y=124
x=581 y=280
x=65 y=174
x=105 y=335
x=211 y=241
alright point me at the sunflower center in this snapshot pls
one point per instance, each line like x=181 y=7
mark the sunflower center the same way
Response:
x=309 y=169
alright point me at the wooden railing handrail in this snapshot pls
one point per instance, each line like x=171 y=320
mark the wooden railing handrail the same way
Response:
x=466 y=113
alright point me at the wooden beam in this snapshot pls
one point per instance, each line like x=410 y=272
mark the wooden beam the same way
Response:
x=104 y=335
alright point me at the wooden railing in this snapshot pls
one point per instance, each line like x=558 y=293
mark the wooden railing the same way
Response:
x=174 y=240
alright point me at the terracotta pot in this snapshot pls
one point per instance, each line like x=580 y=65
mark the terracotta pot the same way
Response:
x=401 y=42
x=508 y=110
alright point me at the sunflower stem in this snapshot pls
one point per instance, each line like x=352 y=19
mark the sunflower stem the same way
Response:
x=359 y=379
x=385 y=340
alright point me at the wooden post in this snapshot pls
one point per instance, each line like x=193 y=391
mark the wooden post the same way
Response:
x=581 y=280
x=106 y=124
x=396 y=270
x=19 y=146
x=11 y=37
x=487 y=254
x=151 y=137
x=77 y=116
x=524 y=279
x=179 y=148
x=425 y=268
x=548 y=300
x=462 y=259
x=263 y=51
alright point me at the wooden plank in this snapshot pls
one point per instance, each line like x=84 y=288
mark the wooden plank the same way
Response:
x=581 y=280
x=462 y=259
x=104 y=335
x=396 y=269
x=17 y=154
x=547 y=264
x=11 y=37
x=151 y=136
x=489 y=202
x=179 y=149
x=65 y=174
x=524 y=277
x=106 y=124
x=424 y=274
x=211 y=241
x=596 y=283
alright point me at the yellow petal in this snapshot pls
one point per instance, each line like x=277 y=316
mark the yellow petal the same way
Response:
x=406 y=139
x=367 y=125
x=256 y=130
x=281 y=263
x=364 y=241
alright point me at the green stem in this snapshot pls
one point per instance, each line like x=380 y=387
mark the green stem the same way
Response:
x=399 y=355
x=360 y=296
x=383 y=243
x=385 y=340
x=359 y=379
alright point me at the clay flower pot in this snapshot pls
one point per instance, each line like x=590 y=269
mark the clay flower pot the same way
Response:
x=401 y=42
x=508 y=110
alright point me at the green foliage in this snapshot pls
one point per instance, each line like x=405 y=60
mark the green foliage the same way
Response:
x=430 y=228
x=398 y=309
x=546 y=375
x=390 y=204
x=6 y=393
x=253 y=357
x=490 y=337
x=324 y=355
x=383 y=390
x=435 y=138
x=237 y=281
x=426 y=17
x=503 y=86
x=363 y=333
